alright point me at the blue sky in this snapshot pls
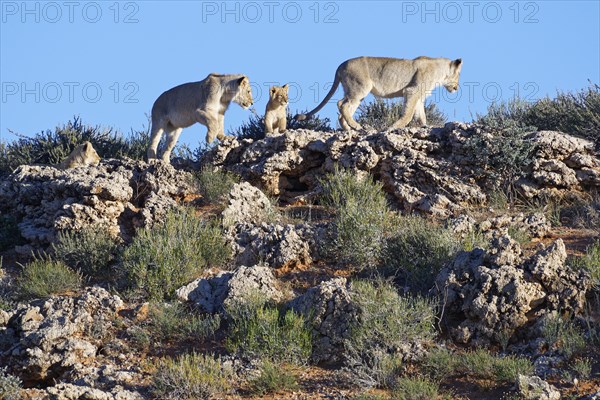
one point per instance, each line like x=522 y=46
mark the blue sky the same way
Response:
x=107 y=61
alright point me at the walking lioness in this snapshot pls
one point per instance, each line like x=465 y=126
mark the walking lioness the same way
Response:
x=204 y=102
x=390 y=77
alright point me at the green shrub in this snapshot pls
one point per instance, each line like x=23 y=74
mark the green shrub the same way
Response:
x=504 y=155
x=484 y=365
x=385 y=322
x=170 y=321
x=417 y=250
x=259 y=330
x=171 y=254
x=439 y=364
x=582 y=368
x=91 y=251
x=255 y=127
x=273 y=378
x=361 y=212
x=10 y=235
x=590 y=262
x=368 y=396
x=574 y=113
x=10 y=386
x=563 y=335
x=380 y=114
x=51 y=147
x=45 y=277
x=190 y=377
x=415 y=388
x=215 y=184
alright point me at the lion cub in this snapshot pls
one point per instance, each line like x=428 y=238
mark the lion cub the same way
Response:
x=82 y=155
x=276 y=112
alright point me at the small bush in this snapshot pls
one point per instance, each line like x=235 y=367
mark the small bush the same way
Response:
x=10 y=386
x=90 y=251
x=380 y=114
x=582 y=368
x=484 y=365
x=190 y=377
x=255 y=127
x=170 y=321
x=10 y=235
x=215 y=184
x=361 y=213
x=521 y=236
x=385 y=322
x=504 y=155
x=417 y=250
x=45 y=277
x=259 y=330
x=415 y=388
x=439 y=364
x=161 y=259
x=590 y=262
x=563 y=335
x=273 y=378
x=51 y=147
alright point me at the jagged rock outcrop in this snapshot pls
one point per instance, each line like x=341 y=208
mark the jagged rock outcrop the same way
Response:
x=278 y=246
x=331 y=312
x=427 y=169
x=248 y=204
x=46 y=338
x=535 y=388
x=214 y=294
x=534 y=225
x=116 y=195
x=490 y=295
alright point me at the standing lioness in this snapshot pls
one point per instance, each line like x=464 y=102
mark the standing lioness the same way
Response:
x=390 y=77
x=204 y=102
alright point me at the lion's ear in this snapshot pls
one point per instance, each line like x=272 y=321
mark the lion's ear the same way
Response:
x=457 y=62
x=86 y=146
x=241 y=80
x=285 y=86
x=273 y=90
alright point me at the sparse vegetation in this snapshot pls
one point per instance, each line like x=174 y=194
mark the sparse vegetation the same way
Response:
x=380 y=114
x=417 y=250
x=273 y=378
x=582 y=367
x=386 y=321
x=361 y=218
x=170 y=321
x=261 y=330
x=190 y=377
x=51 y=147
x=10 y=386
x=215 y=184
x=415 y=388
x=255 y=127
x=91 y=251
x=590 y=262
x=161 y=259
x=44 y=277
x=563 y=335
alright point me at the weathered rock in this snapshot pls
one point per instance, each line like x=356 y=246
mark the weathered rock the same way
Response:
x=275 y=245
x=48 y=337
x=535 y=225
x=227 y=288
x=112 y=195
x=534 y=388
x=494 y=293
x=432 y=170
x=248 y=204
x=68 y=391
x=330 y=310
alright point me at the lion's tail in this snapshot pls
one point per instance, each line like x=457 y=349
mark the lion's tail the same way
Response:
x=336 y=83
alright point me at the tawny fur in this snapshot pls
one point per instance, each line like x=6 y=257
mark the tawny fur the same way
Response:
x=204 y=102
x=82 y=155
x=276 y=112
x=389 y=78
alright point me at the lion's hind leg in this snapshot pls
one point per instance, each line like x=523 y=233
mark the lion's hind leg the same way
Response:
x=172 y=136
x=347 y=107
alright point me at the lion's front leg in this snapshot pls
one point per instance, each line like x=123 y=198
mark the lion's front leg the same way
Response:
x=412 y=97
x=221 y=125
x=211 y=121
x=420 y=117
x=282 y=124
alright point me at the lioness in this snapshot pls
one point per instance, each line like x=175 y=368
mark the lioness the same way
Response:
x=82 y=155
x=390 y=77
x=204 y=102
x=276 y=111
